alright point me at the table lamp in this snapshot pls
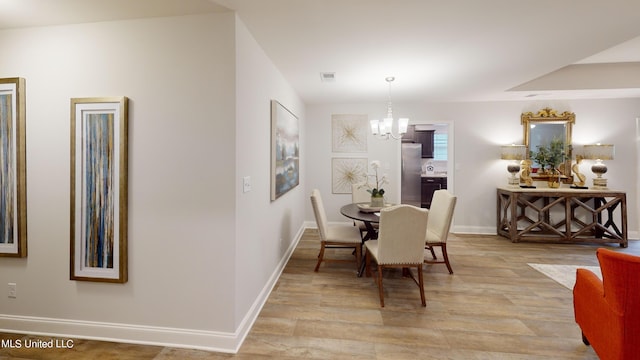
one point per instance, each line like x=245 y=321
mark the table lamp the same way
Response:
x=514 y=153
x=599 y=152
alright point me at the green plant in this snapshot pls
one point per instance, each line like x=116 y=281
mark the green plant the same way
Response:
x=549 y=156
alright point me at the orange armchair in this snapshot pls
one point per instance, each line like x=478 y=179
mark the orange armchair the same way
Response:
x=608 y=311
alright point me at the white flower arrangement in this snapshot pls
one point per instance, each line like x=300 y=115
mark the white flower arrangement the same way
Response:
x=377 y=191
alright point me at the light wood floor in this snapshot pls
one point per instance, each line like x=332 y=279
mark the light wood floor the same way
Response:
x=495 y=306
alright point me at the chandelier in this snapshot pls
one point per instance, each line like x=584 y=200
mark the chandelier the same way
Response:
x=384 y=128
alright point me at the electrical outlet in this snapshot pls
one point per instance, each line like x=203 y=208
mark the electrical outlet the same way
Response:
x=13 y=290
x=246 y=184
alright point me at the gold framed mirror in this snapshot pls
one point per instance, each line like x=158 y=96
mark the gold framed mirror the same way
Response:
x=547 y=128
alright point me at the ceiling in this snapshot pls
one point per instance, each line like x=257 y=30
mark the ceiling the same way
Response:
x=438 y=50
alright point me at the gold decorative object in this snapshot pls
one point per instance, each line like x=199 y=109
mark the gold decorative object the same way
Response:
x=576 y=170
x=553 y=181
x=599 y=152
x=540 y=129
x=525 y=175
x=579 y=179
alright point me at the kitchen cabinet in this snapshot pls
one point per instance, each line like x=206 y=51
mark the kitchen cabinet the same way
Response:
x=428 y=186
x=425 y=137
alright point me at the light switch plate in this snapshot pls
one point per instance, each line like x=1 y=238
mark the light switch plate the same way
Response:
x=246 y=184
x=13 y=290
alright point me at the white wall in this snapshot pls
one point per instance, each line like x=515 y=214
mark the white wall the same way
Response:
x=319 y=155
x=267 y=231
x=479 y=128
x=184 y=237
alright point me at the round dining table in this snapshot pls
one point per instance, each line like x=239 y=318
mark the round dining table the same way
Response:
x=352 y=211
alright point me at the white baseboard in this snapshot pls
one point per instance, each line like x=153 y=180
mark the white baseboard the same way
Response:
x=252 y=314
x=123 y=333
x=474 y=230
x=225 y=342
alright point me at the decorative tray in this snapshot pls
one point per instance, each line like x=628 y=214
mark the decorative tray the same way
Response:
x=367 y=208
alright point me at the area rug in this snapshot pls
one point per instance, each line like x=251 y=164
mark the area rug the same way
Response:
x=564 y=274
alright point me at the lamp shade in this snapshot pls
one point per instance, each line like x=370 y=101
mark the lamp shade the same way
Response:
x=598 y=152
x=577 y=152
x=513 y=152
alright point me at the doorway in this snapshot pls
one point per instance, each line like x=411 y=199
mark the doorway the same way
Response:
x=433 y=170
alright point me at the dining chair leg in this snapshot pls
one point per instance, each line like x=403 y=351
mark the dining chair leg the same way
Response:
x=320 y=256
x=433 y=254
x=380 y=286
x=421 y=285
x=358 y=256
x=367 y=264
x=446 y=258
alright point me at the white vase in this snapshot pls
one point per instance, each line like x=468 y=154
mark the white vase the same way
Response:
x=377 y=201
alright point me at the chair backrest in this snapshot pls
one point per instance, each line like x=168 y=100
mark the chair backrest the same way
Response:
x=359 y=193
x=318 y=212
x=440 y=214
x=401 y=236
x=620 y=280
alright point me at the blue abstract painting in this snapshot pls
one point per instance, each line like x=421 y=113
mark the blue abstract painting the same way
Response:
x=98 y=191
x=7 y=175
x=99 y=178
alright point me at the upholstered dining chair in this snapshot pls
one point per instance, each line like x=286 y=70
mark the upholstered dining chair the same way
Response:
x=334 y=235
x=400 y=244
x=608 y=310
x=440 y=215
x=359 y=194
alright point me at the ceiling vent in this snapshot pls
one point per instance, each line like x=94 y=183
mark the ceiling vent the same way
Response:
x=328 y=76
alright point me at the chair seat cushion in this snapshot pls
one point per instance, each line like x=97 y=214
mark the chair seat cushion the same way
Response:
x=372 y=247
x=343 y=233
x=432 y=237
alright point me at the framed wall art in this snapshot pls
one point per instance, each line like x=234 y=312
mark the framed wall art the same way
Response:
x=285 y=150
x=349 y=133
x=13 y=171
x=345 y=172
x=99 y=181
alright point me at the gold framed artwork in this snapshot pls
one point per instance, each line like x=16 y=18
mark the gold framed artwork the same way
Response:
x=99 y=189
x=345 y=172
x=13 y=171
x=349 y=133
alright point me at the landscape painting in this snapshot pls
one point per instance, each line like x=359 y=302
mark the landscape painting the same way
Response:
x=285 y=150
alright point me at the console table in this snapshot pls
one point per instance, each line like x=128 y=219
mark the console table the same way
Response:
x=562 y=215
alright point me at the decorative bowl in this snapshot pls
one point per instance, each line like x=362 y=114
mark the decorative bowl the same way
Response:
x=367 y=208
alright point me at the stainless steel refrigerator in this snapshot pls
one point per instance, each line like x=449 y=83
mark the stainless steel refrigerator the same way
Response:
x=411 y=174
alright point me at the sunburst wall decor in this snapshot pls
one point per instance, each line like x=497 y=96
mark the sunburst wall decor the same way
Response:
x=347 y=171
x=349 y=133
